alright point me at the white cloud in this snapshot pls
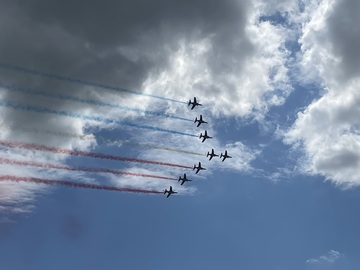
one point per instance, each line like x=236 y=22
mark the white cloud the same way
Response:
x=247 y=79
x=328 y=129
x=330 y=257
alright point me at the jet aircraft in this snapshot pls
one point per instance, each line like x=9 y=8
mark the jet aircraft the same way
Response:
x=170 y=191
x=194 y=103
x=198 y=168
x=204 y=136
x=224 y=156
x=212 y=154
x=183 y=179
x=200 y=121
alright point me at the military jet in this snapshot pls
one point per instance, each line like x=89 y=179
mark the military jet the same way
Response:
x=225 y=156
x=200 y=121
x=194 y=103
x=212 y=154
x=204 y=136
x=170 y=191
x=184 y=179
x=198 y=168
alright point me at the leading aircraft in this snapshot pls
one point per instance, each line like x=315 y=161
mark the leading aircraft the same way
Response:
x=194 y=103
x=212 y=154
x=198 y=168
x=225 y=156
x=183 y=179
x=204 y=136
x=200 y=121
x=170 y=191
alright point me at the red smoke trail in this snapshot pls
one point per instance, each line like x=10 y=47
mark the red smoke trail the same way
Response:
x=70 y=168
x=97 y=138
x=4 y=178
x=39 y=147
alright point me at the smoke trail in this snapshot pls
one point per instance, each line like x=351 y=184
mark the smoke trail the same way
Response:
x=50 y=132
x=17 y=106
x=74 y=168
x=87 y=101
x=39 y=147
x=83 y=82
x=4 y=178
x=99 y=139
x=150 y=146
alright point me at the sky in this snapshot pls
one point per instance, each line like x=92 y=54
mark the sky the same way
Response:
x=93 y=96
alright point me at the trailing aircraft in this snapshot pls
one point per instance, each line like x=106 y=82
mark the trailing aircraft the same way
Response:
x=170 y=191
x=225 y=156
x=194 y=103
x=198 y=168
x=183 y=179
x=212 y=154
x=200 y=121
x=204 y=136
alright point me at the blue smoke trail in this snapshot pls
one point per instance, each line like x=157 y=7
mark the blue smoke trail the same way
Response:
x=72 y=80
x=87 y=101
x=17 y=106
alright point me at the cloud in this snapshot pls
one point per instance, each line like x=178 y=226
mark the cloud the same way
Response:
x=331 y=257
x=241 y=70
x=220 y=52
x=327 y=131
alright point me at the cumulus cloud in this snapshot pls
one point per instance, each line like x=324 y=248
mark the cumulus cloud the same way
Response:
x=219 y=51
x=327 y=131
x=241 y=70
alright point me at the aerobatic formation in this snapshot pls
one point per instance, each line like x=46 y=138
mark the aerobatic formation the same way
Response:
x=27 y=146
x=198 y=167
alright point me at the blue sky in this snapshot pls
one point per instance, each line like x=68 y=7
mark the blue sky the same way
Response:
x=278 y=83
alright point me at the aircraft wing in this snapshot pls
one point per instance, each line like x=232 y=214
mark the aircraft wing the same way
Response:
x=168 y=195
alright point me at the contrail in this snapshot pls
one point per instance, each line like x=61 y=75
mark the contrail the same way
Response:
x=83 y=82
x=4 y=178
x=43 y=148
x=18 y=106
x=99 y=139
x=74 y=168
x=87 y=101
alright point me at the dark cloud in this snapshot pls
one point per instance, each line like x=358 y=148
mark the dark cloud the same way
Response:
x=341 y=160
x=112 y=42
x=344 y=35
x=83 y=38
